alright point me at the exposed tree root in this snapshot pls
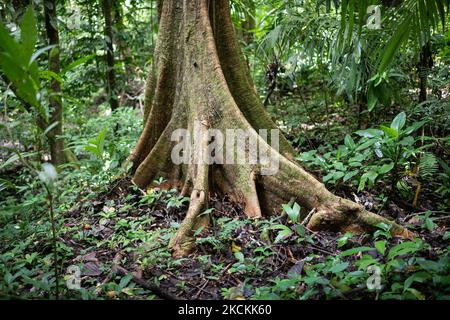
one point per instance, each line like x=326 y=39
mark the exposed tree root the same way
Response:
x=207 y=82
x=182 y=243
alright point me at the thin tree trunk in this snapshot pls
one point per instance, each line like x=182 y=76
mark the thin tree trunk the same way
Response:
x=56 y=116
x=109 y=39
x=425 y=64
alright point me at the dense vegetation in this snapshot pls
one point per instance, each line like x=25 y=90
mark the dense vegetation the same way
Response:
x=366 y=110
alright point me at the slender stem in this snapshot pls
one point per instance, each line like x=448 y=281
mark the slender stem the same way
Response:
x=328 y=113
x=55 y=253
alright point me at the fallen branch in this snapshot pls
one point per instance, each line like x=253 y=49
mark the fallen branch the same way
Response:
x=137 y=278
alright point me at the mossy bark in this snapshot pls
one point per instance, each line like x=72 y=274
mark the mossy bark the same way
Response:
x=200 y=76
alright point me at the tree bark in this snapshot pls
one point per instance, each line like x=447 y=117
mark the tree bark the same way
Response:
x=109 y=39
x=54 y=135
x=425 y=64
x=199 y=78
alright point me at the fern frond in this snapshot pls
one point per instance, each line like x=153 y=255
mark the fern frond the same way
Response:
x=428 y=165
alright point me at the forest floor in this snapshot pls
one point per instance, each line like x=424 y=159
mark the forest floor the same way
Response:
x=237 y=258
x=113 y=237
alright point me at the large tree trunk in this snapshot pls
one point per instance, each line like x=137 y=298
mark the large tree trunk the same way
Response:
x=199 y=76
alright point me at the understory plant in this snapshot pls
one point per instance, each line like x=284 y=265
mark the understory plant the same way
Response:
x=387 y=150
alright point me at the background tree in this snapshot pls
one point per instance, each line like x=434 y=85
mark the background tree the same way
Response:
x=109 y=42
x=57 y=150
x=48 y=121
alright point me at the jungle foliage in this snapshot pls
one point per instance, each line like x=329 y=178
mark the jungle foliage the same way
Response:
x=366 y=109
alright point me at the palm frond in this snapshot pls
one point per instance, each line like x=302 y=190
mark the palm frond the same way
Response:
x=414 y=20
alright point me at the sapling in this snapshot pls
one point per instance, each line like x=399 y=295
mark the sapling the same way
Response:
x=48 y=176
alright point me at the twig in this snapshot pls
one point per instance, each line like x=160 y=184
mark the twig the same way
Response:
x=308 y=216
x=422 y=212
x=116 y=268
x=202 y=288
x=143 y=192
x=313 y=247
x=144 y=284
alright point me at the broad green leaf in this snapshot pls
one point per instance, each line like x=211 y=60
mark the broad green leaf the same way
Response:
x=101 y=141
x=125 y=280
x=93 y=149
x=372 y=99
x=283 y=233
x=11 y=68
x=386 y=168
x=9 y=46
x=348 y=141
x=413 y=127
x=351 y=21
x=416 y=277
x=394 y=44
x=393 y=133
x=403 y=248
x=338 y=175
x=362 y=13
x=28 y=32
x=368 y=176
x=433 y=266
x=300 y=230
x=50 y=75
x=239 y=256
x=339 y=267
x=344 y=6
x=362 y=183
x=343 y=240
x=369 y=133
x=353 y=251
x=350 y=175
x=339 y=166
x=417 y=294
x=366 y=144
x=328 y=177
x=399 y=121
x=293 y=213
x=381 y=246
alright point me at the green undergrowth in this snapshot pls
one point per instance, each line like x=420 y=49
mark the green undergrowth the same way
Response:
x=236 y=258
x=103 y=221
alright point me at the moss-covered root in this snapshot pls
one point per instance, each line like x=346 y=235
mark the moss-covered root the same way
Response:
x=346 y=216
x=183 y=242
